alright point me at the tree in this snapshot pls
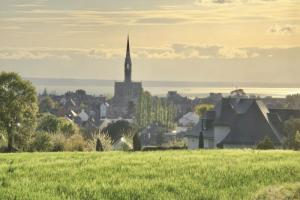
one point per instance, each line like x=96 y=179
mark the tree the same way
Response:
x=18 y=107
x=41 y=142
x=297 y=141
x=52 y=124
x=99 y=145
x=201 y=109
x=137 y=146
x=266 y=143
x=117 y=129
x=201 y=140
x=291 y=127
x=46 y=104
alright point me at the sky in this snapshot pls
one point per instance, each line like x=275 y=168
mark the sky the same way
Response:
x=172 y=40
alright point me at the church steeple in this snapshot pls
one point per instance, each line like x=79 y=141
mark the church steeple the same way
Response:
x=127 y=63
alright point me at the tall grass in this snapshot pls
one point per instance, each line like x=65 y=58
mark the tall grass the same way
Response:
x=214 y=174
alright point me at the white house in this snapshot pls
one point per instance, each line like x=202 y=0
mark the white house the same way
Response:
x=103 y=110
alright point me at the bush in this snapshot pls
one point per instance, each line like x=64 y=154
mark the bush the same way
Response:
x=58 y=142
x=266 y=143
x=106 y=141
x=117 y=129
x=75 y=143
x=297 y=141
x=53 y=124
x=41 y=142
x=99 y=145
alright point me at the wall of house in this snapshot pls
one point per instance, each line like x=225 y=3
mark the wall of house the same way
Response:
x=220 y=132
x=233 y=146
x=193 y=143
x=208 y=143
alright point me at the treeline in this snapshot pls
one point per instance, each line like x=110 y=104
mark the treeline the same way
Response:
x=154 y=109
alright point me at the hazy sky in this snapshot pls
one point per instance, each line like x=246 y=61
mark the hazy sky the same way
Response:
x=186 y=40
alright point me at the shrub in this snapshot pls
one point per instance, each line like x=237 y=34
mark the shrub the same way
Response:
x=266 y=143
x=41 y=142
x=106 y=141
x=53 y=124
x=99 y=145
x=58 y=142
x=75 y=143
x=297 y=141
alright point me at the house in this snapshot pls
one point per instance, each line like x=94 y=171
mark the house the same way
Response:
x=240 y=123
x=205 y=126
x=153 y=135
x=189 y=119
x=103 y=110
x=122 y=145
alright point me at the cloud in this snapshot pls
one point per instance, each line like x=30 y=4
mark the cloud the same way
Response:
x=175 y=51
x=220 y=2
x=160 y=20
x=286 y=29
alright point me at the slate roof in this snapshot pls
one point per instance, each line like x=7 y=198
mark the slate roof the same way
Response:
x=252 y=126
x=249 y=120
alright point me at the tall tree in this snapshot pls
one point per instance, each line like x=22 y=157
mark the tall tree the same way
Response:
x=201 y=140
x=18 y=106
x=99 y=145
x=137 y=146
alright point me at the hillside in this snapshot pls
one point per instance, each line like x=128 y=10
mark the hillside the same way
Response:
x=214 y=174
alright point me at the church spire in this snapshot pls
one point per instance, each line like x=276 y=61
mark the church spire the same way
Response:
x=128 y=63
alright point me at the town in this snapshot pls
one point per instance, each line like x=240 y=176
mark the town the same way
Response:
x=236 y=120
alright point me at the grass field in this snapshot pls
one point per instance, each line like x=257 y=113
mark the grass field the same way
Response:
x=214 y=174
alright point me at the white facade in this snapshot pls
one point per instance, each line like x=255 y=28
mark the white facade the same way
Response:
x=83 y=116
x=193 y=143
x=209 y=143
x=103 y=110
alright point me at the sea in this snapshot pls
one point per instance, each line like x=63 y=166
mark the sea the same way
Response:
x=161 y=88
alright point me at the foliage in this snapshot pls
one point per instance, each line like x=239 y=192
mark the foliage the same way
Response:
x=18 y=109
x=137 y=146
x=99 y=145
x=58 y=142
x=52 y=124
x=293 y=101
x=106 y=141
x=201 y=109
x=291 y=127
x=46 y=105
x=119 y=128
x=201 y=140
x=180 y=174
x=297 y=141
x=75 y=143
x=41 y=142
x=176 y=143
x=150 y=110
x=266 y=143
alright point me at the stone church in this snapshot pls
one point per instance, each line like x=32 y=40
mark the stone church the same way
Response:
x=127 y=92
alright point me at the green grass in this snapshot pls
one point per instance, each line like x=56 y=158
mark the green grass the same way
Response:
x=213 y=174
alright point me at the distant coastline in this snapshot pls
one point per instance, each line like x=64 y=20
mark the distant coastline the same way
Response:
x=192 y=89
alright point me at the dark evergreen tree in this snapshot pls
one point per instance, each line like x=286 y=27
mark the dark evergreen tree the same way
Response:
x=201 y=140
x=137 y=146
x=99 y=145
x=266 y=143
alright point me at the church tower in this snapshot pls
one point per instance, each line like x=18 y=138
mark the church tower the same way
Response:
x=127 y=64
x=127 y=92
